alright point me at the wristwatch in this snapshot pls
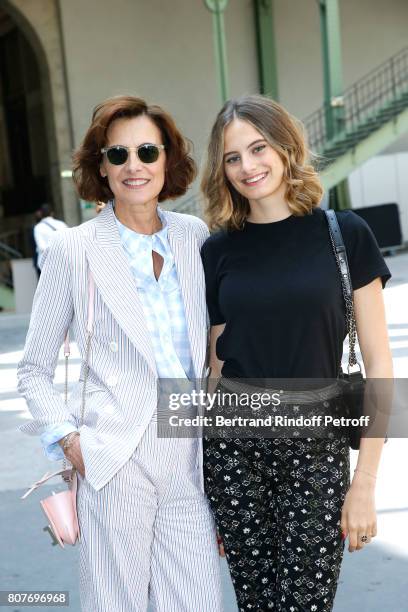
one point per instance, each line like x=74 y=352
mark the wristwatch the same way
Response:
x=68 y=440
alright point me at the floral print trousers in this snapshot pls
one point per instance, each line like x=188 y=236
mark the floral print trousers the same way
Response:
x=277 y=504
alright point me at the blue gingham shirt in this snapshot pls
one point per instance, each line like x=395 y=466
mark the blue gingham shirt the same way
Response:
x=163 y=308
x=161 y=300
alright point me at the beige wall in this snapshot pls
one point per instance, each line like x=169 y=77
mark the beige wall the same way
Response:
x=163 y=50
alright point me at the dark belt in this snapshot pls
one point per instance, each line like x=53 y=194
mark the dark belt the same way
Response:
x=309 y=396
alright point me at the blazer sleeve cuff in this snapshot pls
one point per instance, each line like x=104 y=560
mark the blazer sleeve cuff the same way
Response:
x=49 y=439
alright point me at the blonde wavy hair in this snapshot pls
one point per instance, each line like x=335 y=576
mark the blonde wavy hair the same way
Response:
x=228 y=209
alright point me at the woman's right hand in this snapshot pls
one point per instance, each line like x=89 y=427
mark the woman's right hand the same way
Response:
x=74 y=456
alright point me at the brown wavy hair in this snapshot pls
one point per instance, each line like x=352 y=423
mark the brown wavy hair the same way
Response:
x=180 y=167
x=228 y=209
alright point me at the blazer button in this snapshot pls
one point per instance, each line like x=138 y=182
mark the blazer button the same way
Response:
x=112 y=380
x=113 y=346
x=109 y=409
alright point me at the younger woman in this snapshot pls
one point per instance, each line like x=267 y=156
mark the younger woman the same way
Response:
x=284 y=506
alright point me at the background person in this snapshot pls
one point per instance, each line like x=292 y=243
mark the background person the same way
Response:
x=44 y=230
x=37 y=218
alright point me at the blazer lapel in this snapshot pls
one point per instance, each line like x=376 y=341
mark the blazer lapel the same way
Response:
x=191 y=278
x=114 y=279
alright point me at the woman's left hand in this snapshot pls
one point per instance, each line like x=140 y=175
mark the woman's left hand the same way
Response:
x=220 y=545
x=358 y=517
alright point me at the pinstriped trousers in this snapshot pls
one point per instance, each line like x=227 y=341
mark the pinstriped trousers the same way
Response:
x=149 y=534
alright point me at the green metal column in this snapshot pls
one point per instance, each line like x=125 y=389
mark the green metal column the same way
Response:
x=332 y=65
x=265 y=39
x=333 y=86
x=217 y=8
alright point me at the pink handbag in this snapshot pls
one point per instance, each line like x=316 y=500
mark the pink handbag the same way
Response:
x=61 y=508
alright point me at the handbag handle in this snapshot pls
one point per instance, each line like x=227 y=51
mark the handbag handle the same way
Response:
x=64 y=473
x=67 y=350
x=340 y=254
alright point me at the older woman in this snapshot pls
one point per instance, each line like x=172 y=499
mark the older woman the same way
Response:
x=145 y=524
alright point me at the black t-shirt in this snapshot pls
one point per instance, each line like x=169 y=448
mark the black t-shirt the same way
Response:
x=277 y=288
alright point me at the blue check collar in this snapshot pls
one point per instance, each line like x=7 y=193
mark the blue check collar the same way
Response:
x=139 y=249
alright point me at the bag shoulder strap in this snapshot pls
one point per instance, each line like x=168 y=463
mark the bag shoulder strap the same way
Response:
x=89 y=328
x=48 y=224
x=340 y=250
x=67 y=351
x=340 y=254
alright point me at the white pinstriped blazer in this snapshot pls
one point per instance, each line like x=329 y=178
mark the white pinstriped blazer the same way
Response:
x=122 y=383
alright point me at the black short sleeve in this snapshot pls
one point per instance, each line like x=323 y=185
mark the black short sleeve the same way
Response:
x=210 y=253
x=364 y=256
x=276 y=287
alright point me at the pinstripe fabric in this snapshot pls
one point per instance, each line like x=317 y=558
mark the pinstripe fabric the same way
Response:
x=164 y=315
x=122 y=384
x=153 y=505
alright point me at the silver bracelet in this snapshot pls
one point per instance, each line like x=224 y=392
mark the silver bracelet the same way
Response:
x=364 y=472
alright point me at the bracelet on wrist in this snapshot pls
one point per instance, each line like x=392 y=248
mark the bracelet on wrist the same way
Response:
x=68 y=440
x=367 y=473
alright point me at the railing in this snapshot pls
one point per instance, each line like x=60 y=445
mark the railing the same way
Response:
x=362 y=102
x=7 y=253
x=14 y=242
